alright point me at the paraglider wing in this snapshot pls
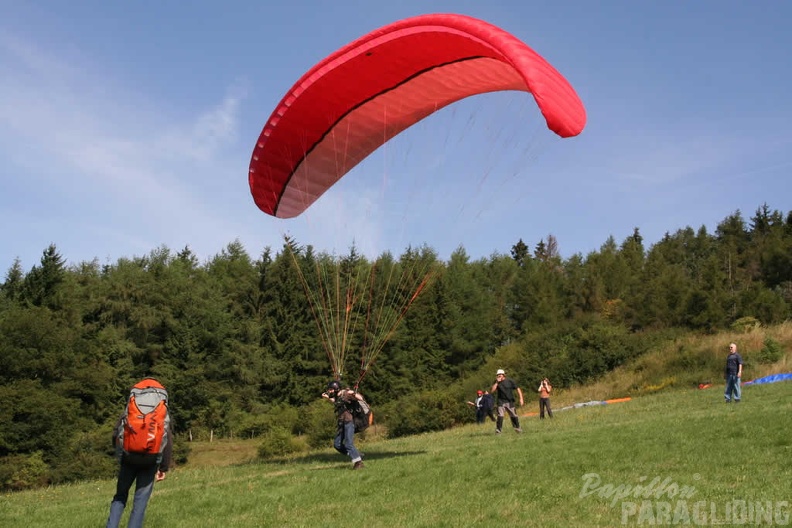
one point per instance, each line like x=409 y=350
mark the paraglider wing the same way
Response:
x=362 y=95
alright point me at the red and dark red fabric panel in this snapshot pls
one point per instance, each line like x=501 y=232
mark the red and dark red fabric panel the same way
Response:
x=359 y=97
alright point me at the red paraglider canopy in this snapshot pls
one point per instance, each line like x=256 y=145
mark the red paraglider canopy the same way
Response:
x=356 y=99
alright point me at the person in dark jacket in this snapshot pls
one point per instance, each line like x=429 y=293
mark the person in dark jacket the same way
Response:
x=476 y=404
x=487 y=406
x=344 y=441
x=142 y=474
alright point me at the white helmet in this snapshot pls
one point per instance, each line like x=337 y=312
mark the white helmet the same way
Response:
x=500 y=371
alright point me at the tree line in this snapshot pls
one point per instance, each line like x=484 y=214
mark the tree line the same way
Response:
x=235 y=338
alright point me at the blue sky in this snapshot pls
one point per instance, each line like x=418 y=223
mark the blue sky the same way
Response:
x=126 y=126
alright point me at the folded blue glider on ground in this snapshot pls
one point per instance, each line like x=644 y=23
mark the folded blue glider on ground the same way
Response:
x=770 y=379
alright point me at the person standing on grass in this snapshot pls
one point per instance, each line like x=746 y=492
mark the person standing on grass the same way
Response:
x=487 y=406
x=148 y=398
x=344 y=441
x=504 y=388
x=733 y=374
x=544 y=398
x=476 y=404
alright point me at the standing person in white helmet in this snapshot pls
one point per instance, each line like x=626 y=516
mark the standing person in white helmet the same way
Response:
x=504 y=389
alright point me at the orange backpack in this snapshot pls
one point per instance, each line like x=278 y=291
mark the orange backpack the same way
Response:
x=145 y=425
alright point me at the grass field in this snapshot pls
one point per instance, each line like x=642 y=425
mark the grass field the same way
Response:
x=700 y=462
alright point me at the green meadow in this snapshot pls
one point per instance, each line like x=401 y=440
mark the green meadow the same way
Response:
x=672 y=458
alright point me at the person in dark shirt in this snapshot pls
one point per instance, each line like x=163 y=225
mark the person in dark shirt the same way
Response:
x=504 y=388
x=344 y=441
x=733 y=374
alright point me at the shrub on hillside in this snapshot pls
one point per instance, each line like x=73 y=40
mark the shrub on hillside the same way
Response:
x=771 y=352
x=278 y=441
x=424 y=412
x=746 y=324
x=318 y=422
x=19 y=472
x=87 y=456
x=181 y=451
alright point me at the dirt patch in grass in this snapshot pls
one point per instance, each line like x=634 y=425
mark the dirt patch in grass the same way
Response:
x=222 y=453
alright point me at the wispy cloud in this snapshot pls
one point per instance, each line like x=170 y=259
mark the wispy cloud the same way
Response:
x=92 y=142
x=218 y=127
x=655 y=159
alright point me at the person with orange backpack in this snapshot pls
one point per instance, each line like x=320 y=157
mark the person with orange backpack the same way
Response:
x=143 y=440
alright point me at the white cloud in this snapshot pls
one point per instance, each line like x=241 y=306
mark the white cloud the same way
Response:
x=211 y=131
x=125 y=172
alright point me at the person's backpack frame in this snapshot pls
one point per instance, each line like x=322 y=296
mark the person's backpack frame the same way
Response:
x=144 y=430
x=362 y=415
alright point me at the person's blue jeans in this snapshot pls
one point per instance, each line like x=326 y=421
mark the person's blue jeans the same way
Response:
x=344 y=441
x=732 y=387
x=144 y=476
